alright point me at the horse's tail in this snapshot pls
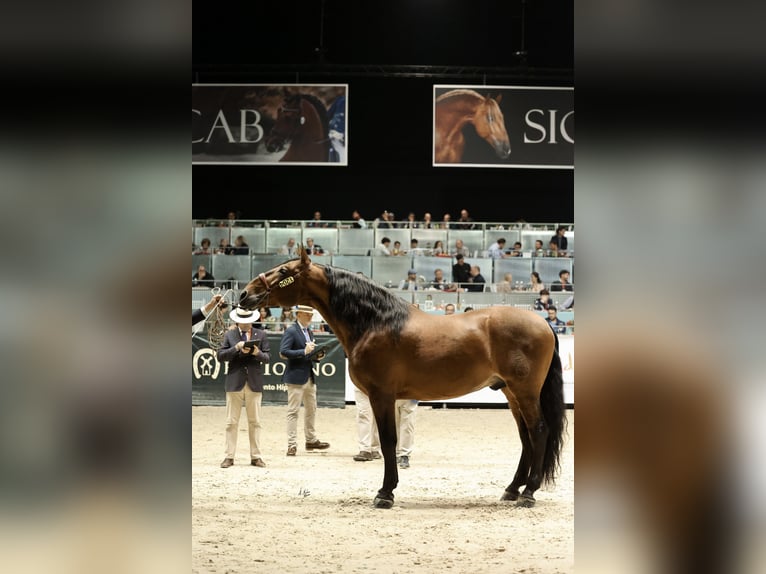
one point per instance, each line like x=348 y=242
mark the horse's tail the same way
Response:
x=554 y=413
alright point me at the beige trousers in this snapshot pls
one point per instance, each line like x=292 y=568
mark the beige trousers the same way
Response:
x=252 y=403
x=405 y=426
x=366 y=428
x=295 y=395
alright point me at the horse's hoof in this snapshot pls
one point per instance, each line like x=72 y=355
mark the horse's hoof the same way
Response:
x=526 y=501
x=382 y=502
x=510 y=495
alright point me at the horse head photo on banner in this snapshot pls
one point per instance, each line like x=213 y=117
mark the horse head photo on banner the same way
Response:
x=458 y=109
x=301 y=123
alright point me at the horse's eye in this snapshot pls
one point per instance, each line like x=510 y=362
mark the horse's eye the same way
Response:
x=283 y=271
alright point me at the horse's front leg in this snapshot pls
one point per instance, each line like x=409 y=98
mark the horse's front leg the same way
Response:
x=385 y=416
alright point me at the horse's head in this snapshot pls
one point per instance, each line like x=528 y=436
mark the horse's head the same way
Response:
x=490 y=125
x=290 y=118
x=279 y=286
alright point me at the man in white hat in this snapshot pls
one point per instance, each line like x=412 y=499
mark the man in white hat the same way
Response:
x=296 y=346
x=246 y=349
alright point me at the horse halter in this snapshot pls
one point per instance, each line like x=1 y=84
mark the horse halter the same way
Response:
x=295 y=125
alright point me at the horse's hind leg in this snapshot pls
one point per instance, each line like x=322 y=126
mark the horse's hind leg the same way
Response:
x=522 y=472
x=537 y=435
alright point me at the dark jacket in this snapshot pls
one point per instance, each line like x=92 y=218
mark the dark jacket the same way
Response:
x=197 y=316
x=461 y=273
x=477 y=284
x=298 y=369
x=244 y=367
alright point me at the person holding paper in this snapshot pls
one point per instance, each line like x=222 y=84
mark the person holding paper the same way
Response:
x=297 y=346
x=246 y=349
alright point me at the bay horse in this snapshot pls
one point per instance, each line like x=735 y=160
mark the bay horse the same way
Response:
x=396 y=351
x=456 y=109
x=302 y=121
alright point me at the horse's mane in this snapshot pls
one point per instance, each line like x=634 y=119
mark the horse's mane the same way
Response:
x=459 y=94
x=363 y=304
x=321 y=110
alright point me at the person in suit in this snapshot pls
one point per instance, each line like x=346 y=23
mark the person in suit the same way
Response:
x=296 y=346
x=202 y=313
x=244 y=382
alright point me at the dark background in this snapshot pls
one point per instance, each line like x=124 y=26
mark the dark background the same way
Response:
x=391 y=53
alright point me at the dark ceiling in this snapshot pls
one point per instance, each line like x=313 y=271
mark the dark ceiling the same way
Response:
x=452 y=33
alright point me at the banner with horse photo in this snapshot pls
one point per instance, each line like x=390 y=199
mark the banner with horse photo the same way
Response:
x=245 y=124
x=503 y=126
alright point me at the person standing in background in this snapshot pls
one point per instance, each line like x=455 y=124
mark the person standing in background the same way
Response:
x=296 y=346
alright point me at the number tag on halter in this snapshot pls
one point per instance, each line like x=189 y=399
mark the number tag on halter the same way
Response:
x=286 y=282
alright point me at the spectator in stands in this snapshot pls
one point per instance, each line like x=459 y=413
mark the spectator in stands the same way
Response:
x=382 y=249
x=461 y=272
x=359 y=222
x=411 y=222
x=563 y=283
x=385 y=220
x=427 y=223
x=560 y=240
x=446 y=221
x=204 y=248
x=497 y=249
x=202 y=278
x=312 y=248
x=556 y=324
x=516 y=251
x=460 y=248
x=267 y=321
x=544 y=302
x=449 y=309
x=231 y=219
x=289 y=248
x=405 y=431
x=366 y=429
x=411 y=282
x=553 y=249
x=538 y=251
x=288 y=317
x=476 y=281
x=317 y=221
x=240 y=246
x=506 y=285
x=465 y=221
x=397 y=250
x=438 y=249
x=415 y=247
x=223 y=247
x=438 y=282
x=536 y=283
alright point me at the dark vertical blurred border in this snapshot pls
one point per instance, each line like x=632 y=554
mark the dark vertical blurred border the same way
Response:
x=95 y=202
x=670 y=205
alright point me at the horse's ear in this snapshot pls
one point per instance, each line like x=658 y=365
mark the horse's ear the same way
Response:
x=305 y=260
x=499 y=98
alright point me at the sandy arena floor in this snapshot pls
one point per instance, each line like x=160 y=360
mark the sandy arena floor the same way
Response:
x=313 y=512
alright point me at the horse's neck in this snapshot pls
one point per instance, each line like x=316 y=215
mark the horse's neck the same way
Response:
x=319 y=299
